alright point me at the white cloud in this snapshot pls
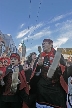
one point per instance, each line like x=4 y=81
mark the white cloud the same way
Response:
x=22 y=33
x=60 y=17
x=22 y=25
x=27 y=33
x=66 y=26
x=44 y=32
x=9 y=34
x=62 y=31
x=30 y=30
x=47 y=31
x=28 y=49
x=32 y=48
x=64 y=34
x=57 y=24
x=57 y=18
x=60 y=41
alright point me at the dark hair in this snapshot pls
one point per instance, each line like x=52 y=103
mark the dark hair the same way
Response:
x=62 y=60
x=15 y=55
x=30 y=56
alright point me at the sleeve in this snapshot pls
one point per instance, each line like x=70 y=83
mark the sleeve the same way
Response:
x=61 y=74
x=22 y=77
x=28 y=75
x=4 y=71
x=23 y=90
x=24 y=97
x=64 y=78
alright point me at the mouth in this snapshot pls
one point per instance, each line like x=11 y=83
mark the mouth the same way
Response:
x=43 y=46
x=13 y=63
x=34 y=58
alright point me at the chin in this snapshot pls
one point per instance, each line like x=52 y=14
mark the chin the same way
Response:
x=45 y=50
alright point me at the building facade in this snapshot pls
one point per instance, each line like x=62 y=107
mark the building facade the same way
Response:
x=7 y=45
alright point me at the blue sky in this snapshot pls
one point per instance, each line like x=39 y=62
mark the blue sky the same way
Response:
x=48 y=19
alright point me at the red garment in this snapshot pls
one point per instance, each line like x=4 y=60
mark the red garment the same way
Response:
x=22 y=85
x=62 y=81
x=3 y=69
x=16 y=55
x=43 y=54
x=51 y=54
x=23 y=80
x=5 y=59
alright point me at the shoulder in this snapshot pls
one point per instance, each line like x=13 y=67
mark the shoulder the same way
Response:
x=54 y=51
x=8 y=67
x=43 y=54
x=20 y=68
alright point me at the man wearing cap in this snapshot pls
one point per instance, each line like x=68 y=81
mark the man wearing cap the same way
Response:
x=51 y=91
x=15 y=94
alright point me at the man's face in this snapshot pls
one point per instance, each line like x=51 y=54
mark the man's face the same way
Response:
x=14 y=61
x=46 y=46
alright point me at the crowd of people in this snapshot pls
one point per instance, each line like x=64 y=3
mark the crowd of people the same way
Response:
x=33 y=88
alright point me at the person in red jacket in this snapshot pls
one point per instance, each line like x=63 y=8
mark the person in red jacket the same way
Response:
x=28 y=68
x=2 y=71
x=6 y=61
x=15 y=92
x=51 y=92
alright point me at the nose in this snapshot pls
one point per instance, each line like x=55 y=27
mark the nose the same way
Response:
x=12 y=60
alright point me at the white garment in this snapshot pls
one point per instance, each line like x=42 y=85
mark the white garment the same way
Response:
x=38 y=73
x=69 y=86
x=69 y=92
x=42 y=106
x=68 y=105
